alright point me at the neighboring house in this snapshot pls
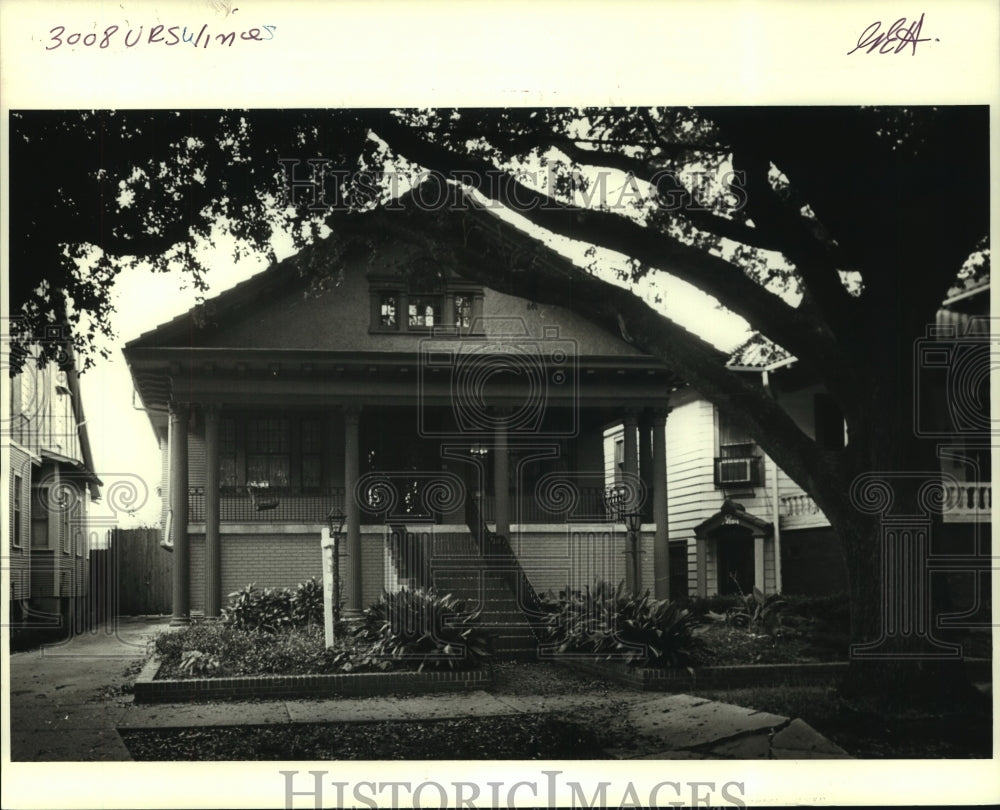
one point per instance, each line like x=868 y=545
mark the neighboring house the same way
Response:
x=50 y=484
x=742 y=522
x=460 y=431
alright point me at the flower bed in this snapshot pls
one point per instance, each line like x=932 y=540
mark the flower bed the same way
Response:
x=269 y=645
x=149 y=688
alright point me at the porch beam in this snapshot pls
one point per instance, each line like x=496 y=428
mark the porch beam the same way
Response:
x=179 y=514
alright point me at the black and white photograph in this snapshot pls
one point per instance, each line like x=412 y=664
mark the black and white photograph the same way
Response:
x=394 y=444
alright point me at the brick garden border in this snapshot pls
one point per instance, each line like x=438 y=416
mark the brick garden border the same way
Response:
x=730 y=677
x=347 y=684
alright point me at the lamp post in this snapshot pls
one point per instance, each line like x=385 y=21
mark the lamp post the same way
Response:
x=615 y=502
x=336 y=528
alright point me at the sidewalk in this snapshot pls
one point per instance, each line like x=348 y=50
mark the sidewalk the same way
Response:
x=63 y=708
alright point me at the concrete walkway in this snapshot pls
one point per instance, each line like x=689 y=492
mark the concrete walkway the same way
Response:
x=64 y=708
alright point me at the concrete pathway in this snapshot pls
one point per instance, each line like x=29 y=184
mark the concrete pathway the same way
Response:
x=63 y=705
x=64 y=708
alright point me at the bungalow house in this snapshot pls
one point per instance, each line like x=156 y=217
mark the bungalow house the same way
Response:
x=741 y=522
x=459 y=431
x=51 y=484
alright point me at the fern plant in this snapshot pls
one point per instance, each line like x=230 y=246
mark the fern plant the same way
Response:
x=420 y=625
x=612 y=623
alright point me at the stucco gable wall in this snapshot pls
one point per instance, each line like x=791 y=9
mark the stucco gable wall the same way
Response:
x=339 y=320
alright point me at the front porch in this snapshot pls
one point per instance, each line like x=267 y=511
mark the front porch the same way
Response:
x=260 y=485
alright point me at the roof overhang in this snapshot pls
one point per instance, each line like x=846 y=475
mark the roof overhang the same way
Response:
x=733 y=514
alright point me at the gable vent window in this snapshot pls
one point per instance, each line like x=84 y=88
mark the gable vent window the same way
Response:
x=400 y=309
x=424 y=311
x=387 y=311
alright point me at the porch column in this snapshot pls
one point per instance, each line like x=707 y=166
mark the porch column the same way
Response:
x=701 y=560
x=179 y=513
x=352 y=514
x=646 y=471
x=501 y=475
x=661 y=541
x=631 y=478
x=213 y=546
x=758 y=562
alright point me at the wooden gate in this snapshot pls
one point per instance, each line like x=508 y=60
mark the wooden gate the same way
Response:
x=138 y=573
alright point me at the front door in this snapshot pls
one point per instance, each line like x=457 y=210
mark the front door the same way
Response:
x=734 y=547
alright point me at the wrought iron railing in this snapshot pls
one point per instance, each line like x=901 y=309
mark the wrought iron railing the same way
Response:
x=271 y=505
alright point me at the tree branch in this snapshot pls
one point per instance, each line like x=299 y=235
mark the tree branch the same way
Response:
x=712 y=274
x=479 y=246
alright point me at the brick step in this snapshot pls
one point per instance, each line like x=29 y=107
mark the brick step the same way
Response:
x=466 y=585
x=488 y=613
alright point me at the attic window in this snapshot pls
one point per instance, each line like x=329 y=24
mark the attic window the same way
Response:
x=396 y=308
x=424 y=311
x=463 y=311
x=387 y=310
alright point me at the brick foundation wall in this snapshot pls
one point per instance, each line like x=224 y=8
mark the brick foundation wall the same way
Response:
x=555 y=556
x=282 y=559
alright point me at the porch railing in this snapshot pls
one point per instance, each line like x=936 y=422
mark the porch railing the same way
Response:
x=962 y=503
x=293 y=505
x=968 y=502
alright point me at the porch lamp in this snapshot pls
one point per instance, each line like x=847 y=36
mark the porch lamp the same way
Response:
x=633 y=522
x=336 y=523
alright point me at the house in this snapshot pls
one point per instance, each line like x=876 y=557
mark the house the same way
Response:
x=51 y=484
x=741 y=522
x=458 y=429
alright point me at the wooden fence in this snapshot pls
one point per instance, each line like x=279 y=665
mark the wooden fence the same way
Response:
x=133 y=575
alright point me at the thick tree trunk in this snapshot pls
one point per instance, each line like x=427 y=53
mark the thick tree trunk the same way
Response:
x=886 y=524
x=898 y=658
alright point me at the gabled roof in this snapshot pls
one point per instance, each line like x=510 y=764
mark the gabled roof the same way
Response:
x=757 y=353
x=309 y=317
x=733 y=513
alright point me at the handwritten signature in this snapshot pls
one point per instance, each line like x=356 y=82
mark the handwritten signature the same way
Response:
x=899 y=36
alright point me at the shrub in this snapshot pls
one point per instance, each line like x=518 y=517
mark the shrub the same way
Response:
x=607 y=621
x=307 y=603
x=273 y=609
x=757 y=613
x=215 y=648
x=420 y=625
x=230 y=646
x=251 y=608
